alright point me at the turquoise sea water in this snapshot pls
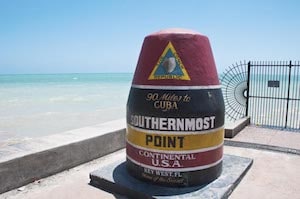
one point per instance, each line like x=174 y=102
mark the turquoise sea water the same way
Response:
x=38 y=105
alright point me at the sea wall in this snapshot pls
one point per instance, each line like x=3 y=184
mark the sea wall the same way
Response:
x=26 y=162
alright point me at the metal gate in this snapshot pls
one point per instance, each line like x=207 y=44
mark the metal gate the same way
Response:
x=268 y=92
x=273 y=94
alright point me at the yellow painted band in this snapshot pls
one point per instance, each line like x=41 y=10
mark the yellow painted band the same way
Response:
x=176 y=142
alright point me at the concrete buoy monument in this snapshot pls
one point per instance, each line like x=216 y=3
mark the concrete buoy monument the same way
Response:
x=175 y=111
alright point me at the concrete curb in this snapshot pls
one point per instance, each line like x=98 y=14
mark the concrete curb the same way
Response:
x=24 y=163
x=262 y=147
x=237 y=182
x=233 y=129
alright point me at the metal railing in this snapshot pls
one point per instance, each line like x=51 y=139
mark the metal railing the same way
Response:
x=267 y=91
x=273 y=94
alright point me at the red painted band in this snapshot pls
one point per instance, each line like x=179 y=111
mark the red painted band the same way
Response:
x=173 y=160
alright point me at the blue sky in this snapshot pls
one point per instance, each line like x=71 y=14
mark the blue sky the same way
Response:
x=60 y=36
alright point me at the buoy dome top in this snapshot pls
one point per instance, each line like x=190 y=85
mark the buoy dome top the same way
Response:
x=176 y=31
x=176 y=57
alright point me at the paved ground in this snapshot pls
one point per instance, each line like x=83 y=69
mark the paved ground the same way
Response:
x=272 y=175
x=272 y=137
x=71 y=184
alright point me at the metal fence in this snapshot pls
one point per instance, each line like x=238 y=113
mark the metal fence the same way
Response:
x=273 y=94
x=267 y=91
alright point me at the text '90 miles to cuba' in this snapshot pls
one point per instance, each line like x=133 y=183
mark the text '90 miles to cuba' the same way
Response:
x=167 y=101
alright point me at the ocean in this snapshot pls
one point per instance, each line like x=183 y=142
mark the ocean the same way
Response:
x=43 y=104
x=38 y=105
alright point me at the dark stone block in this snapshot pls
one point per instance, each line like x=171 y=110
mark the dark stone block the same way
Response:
x=115 y=178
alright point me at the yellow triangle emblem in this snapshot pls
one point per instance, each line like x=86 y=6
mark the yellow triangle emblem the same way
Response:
x=169 y=66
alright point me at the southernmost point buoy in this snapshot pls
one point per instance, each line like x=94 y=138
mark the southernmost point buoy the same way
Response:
x=175 y=111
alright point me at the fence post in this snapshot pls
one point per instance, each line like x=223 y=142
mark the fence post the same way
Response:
x=288 y=95
x=248 y=86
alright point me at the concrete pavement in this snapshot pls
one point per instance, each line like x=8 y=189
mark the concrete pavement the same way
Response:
x=273 y=175
x=272 y=137
x=27 y=161
x=73 y=183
